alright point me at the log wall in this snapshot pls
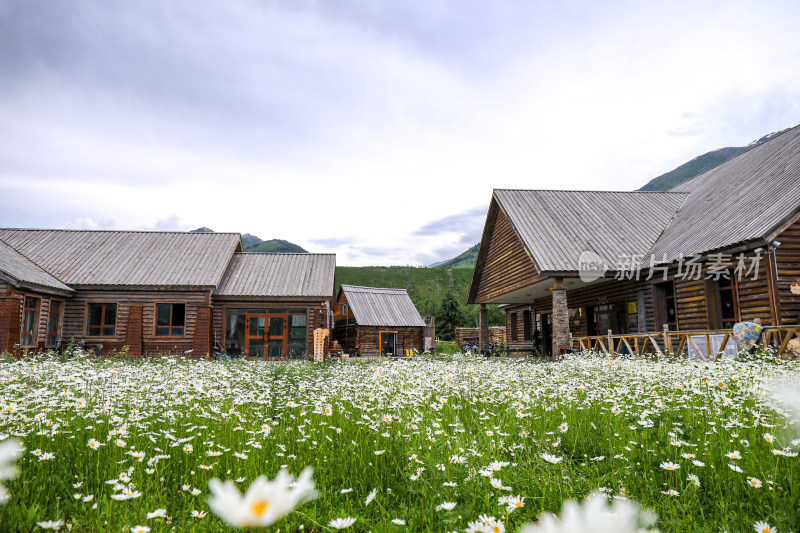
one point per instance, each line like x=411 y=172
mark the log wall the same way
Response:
x=787 y=259
x=507 y=265
x=76 y=309
x=369 y=340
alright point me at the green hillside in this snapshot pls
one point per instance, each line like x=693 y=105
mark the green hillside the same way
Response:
x=274 y=246
x=464 y=260
x=425 y=286
x=696 y=166
x=700 y=164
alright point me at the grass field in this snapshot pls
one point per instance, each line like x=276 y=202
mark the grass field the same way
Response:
x=109 y=442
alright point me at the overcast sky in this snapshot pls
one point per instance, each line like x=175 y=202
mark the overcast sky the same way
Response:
x=376 y=130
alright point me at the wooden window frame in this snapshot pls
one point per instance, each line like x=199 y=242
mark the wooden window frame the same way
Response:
x=59 y=324
x=34 y=334
x=102 y=325
x=344 y=308
x=170 y=327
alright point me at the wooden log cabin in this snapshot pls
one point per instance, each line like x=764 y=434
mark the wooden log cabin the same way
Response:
x=720 y=248
x=372 y=321
x=155 y=292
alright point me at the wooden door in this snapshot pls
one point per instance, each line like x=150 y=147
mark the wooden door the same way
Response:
x=254 y=335
x=276 y=335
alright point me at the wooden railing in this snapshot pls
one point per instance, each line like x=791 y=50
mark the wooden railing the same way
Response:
x=673 y=342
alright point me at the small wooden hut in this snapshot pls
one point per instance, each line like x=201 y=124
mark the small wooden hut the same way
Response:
x=371 y=321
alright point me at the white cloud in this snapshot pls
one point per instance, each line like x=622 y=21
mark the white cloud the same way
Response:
x=347 y=127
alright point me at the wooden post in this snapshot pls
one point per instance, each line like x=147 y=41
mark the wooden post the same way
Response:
x=483 y=329
x=610 y=343
x=560 y=318
x=667 y=341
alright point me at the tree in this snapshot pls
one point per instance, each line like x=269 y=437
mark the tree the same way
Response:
x=448 y=318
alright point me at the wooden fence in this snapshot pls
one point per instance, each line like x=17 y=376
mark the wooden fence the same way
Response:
x=702 y=342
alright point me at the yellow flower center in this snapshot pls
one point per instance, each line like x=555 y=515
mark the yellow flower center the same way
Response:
x=519 y=504
x=258 y=508
x=496 y=529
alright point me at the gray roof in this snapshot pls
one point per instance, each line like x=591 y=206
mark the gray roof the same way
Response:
x=127 y=258
x=557 y=226
x=372 y=306
x=27 y=273
x=269 y=274
x=744 y=199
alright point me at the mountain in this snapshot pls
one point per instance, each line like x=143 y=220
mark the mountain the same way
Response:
x=700 y=164
x=273 y=246
x=251 y=243
x=464 y=260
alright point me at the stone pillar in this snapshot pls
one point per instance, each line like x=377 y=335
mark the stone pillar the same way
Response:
x=560 y=318
x=483 y=330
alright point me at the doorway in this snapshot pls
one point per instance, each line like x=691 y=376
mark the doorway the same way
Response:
x=547 y=334
x=388 y=340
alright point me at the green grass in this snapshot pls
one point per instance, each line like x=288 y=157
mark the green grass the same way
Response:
x=612 y=422
x=446 y=348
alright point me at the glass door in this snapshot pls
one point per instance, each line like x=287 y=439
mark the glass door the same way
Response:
x=276 y=344
x=255 y=335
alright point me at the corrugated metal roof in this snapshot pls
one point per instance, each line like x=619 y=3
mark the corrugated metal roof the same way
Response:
x=743 y=199
x=26 y=272
x=374 y=306
x=267 y=274
x=557 y=226
x=126 y=258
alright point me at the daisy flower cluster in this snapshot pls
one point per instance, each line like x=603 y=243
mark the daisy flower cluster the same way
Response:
x=457 y=443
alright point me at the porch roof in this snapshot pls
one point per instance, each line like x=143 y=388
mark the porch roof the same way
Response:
x=373 y=306
x=24 y=272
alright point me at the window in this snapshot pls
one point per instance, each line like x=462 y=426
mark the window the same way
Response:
x=666 y=309
x=30 y=321
x=526 y=325
x=102 y=320
x=170 y=320
x=344 y=309
x=723 y=311
x=235 y=331
x=513 y=326
x=297 y=336
x=602 y=318
x=54 y=324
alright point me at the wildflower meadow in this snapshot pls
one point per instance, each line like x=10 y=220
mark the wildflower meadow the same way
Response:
x=456 y=443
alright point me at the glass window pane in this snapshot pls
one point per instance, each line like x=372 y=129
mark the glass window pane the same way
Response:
x=162 y=331
x=93 y=330
x=256 y=348
x=177 y=332
x=296 y=349
x=256 y=326
x=108 y=332
x=234 y=342
x=275 y=326
x=178 y=315
x=275 y=348
x=95 y=314
x=162 y=315
x=110 y=318
x=297 y=312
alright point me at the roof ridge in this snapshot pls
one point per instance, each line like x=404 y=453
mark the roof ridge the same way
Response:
x=373 y=288
x=286 y=253
x=592 y=191
x=126 y=231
